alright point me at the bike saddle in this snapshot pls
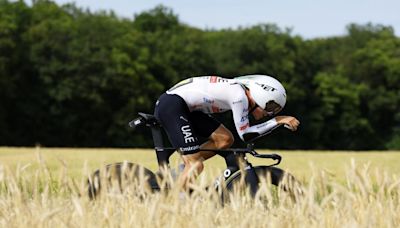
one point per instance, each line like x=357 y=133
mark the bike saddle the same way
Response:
x=144 y=118
x=147 y=117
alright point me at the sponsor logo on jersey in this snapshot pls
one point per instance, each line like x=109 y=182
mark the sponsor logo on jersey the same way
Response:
x=206 y=100
x=244 y=118
x=195 y=107
x=213 y=79
x=215 y=109
x=187 y=134
x=237 y=102
x=183 y=118
x=190 y=148
x=244 y=127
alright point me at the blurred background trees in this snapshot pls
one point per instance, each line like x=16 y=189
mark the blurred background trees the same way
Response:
x=71 y=77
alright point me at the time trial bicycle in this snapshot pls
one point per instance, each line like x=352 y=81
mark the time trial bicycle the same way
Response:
x=239 y=172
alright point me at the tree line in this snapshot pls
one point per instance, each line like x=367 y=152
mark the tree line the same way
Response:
x=73 y=77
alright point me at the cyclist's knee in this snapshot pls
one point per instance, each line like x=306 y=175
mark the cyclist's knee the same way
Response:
x=225 y=142
x=222 y=138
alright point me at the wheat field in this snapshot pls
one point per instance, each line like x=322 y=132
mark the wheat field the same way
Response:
x=46 y=187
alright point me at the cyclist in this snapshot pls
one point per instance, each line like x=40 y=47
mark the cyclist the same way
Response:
x=184 y=110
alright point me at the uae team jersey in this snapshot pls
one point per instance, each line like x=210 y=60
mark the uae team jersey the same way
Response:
x=213 y=94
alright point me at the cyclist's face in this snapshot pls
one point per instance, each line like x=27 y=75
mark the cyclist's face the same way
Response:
x=259 y=113
x=271 y=109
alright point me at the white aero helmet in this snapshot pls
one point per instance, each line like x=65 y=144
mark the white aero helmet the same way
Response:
x=267 y=92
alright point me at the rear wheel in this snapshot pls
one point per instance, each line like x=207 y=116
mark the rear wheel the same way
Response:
x=120 y=177
x=275 y=179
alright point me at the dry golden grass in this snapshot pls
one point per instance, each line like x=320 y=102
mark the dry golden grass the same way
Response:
x=300 y=163
x=46 y=188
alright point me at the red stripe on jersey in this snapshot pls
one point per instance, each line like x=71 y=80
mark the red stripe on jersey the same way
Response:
x=215 y=109
x=242 y=128
x=213 y=79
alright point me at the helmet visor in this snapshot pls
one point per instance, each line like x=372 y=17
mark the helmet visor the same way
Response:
x=272 y=108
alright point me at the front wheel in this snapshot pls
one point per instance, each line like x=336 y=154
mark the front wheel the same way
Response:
x=273 y=177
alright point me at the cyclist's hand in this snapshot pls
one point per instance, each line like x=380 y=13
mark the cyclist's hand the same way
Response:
x=290 y=122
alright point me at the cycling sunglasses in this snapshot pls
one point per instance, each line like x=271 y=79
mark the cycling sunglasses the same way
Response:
x=271 y=108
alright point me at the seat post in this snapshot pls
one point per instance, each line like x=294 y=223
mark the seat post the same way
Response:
x=157 y=137
x=163 y=153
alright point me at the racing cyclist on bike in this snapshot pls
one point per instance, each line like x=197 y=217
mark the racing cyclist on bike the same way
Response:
x=184 y=110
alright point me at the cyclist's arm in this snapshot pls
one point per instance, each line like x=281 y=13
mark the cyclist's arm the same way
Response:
x=260 y=129
x=241 y=118
x=251 y=132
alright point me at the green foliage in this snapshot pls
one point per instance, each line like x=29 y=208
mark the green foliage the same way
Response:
x=339 y=113
x=394 y=143
x=71 y=77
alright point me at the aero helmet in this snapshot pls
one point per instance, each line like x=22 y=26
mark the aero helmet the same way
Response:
x=267 y=92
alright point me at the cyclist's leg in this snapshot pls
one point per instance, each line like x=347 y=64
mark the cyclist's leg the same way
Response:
x=216 y=134
x=184 y=128
x=218 y=137
x=221 y=138
x=173 y=114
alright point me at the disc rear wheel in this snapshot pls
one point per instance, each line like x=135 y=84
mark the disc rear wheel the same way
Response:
x=272 y=181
